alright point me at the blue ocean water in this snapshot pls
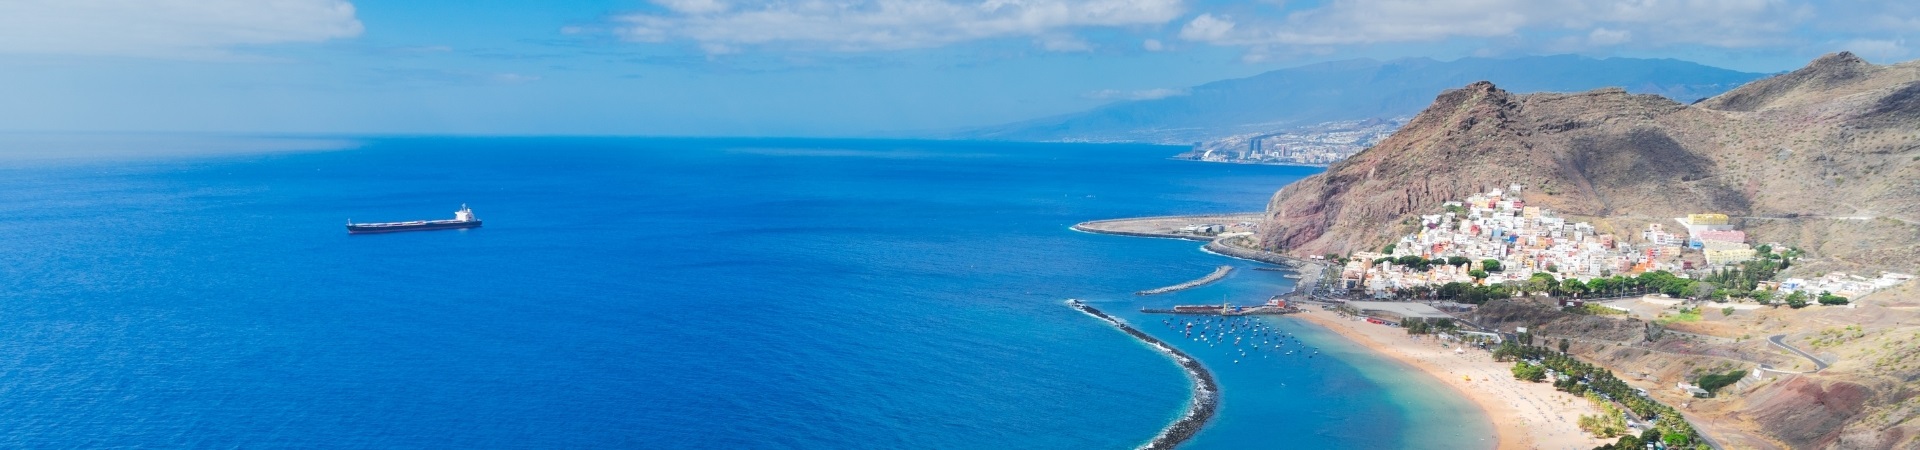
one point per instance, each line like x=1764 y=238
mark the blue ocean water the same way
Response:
x=650 y=293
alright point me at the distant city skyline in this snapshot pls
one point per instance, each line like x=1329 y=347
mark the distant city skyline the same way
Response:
x=781 y=68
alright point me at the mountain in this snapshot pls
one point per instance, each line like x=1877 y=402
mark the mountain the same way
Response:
x=1825 y=158
x=1356 y=90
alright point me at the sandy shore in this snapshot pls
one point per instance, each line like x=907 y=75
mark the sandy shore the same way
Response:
x=1525 y=415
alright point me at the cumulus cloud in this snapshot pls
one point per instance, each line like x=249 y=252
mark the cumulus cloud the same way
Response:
x=1143 y=94
x=1721 y=23
x=1153 y=45
x=867 y=25
x=168 y=28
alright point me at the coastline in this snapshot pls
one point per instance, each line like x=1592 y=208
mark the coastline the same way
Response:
x=1206 y=391
x=1524 y=415
x=1316 y=166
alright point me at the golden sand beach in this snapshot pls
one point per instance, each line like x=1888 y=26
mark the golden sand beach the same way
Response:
x=1525 y=415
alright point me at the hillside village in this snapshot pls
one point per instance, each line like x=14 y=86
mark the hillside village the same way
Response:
x=1494 y=237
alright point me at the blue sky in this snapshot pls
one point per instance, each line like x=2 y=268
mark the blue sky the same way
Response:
x=795 y=68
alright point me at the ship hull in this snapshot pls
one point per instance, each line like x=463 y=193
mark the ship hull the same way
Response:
x=422 y=226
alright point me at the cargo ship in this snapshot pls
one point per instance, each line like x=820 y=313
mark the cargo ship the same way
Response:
x=461 y=219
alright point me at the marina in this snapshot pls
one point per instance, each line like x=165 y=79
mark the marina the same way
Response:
x=1275 y=306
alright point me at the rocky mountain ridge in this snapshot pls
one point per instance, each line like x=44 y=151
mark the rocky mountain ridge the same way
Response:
x=1286 y=99
x=1810 y=150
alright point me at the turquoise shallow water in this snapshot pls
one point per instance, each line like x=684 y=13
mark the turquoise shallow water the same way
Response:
x=656 y=293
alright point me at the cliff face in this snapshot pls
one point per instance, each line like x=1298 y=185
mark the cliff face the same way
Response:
x=1835 y=139
x=1825 y=158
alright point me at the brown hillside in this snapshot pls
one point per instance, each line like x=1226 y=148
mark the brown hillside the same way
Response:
x=1835 y=145
x=1825 y=158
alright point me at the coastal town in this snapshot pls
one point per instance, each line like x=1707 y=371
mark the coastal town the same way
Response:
x=1417 y=299
x=1599 y=269
x=1312 y=145
x=1495 y=238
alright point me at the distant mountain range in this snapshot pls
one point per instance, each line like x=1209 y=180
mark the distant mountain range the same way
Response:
x=1358 y=89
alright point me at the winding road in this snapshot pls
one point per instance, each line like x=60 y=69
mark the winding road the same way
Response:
x=1818 y=365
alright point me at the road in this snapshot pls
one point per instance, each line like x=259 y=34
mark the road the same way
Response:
x=1818 y=365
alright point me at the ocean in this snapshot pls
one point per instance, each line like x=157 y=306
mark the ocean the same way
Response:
x=646 y=293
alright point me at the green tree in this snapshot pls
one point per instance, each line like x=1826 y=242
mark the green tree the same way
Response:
x=1541 y=282
x=1388 y=249
x=1727 y=311
x=1529 y=372
x=1412 y=262
x=1797 y=300
x=1491 y=265
x=1458 y=261
x=1477 y=274
x=1564 y=345
x=1700 y=290
x=1827 y=298
x=1574 y=286
x=1714 y=381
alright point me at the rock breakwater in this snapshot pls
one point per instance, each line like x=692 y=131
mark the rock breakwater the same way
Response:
x=1218 y=273
x=1206 y=392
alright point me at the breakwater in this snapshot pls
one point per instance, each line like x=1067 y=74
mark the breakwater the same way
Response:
x=1254 y=311
x=1167 y=227
x=1206 y=392
x=1309 y=271
x=1218 y=273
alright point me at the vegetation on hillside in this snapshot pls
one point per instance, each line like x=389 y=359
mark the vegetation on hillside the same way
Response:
x=1582 y=378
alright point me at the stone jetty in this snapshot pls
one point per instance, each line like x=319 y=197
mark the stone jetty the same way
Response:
x=1218 y=273
x=1206 y=392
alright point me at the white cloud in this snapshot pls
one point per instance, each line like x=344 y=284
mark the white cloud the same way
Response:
x=1720 y=23
x=1153 y=45
x=1064 y=43
x=168 y=28
x=1143 y=94
x=867 y=25
x=1207 y=28
x=1604 y=37
x=694 y=6
x=1880 y=49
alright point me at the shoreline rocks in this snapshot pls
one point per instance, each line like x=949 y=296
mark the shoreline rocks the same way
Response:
x=1206 y=392
x=1218 y=273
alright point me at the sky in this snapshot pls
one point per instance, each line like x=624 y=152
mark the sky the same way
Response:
x=797 y=68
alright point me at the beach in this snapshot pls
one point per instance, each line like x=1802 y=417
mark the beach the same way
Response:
x=1525 y=415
